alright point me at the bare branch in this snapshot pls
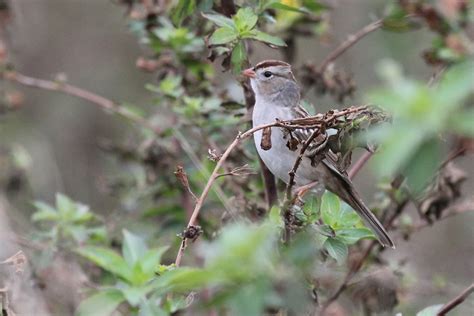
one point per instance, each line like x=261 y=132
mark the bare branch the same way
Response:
x=360 y=164
x=349 y=42
x=456 y=301
x=106 y=104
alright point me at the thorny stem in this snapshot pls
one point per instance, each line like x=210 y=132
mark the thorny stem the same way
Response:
x=349 y=42
x=456 y=301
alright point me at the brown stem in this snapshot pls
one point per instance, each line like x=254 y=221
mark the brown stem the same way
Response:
x=106 y=104
x=360 y=164
x=349 y=42
x=456 y=301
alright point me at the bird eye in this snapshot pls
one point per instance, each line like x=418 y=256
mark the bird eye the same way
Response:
x=267 y=74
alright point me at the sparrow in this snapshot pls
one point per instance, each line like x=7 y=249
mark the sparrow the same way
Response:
x=277 y=96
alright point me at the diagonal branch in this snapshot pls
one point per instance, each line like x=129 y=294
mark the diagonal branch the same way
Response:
x=349 y=42
x=456 y=301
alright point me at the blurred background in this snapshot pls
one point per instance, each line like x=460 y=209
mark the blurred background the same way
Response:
x=60 y=139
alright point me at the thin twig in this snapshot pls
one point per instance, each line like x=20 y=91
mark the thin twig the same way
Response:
x=360 y=164
x=210 y=182
x=456 y=301
x=106 y=104
x=349 y=42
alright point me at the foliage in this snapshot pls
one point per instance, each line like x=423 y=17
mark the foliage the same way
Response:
x=247 y=258
x=68 y=221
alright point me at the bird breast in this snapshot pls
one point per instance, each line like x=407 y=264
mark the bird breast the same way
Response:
x=279 y=158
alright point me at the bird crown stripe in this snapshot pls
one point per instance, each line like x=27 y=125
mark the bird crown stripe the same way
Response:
x=270 y=63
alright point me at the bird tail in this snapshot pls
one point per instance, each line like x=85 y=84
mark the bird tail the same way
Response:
x=344 y=188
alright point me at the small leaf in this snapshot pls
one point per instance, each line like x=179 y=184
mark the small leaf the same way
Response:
x=239 y=56
x=107 y=260
x=133 y=248
x=100 y=304
x=463 y=122
x=220 y=20
x=151 y=259
x=267 y=38
x=45 y=212
x=223 y=35
x=245 y=20
x=336 y=249
x=281 y=6
x=183 y=9
x=64 y=204
x=330 y=208
x=352 y=235
x=275 y=216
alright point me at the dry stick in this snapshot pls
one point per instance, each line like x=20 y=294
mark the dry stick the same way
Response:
x=215 y=174
x=456 y=301
x=351 y=40
x=101 y=101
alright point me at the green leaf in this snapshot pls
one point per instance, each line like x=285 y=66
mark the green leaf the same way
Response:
x=267 y=38
x=274 y=216
x=107 y=260
x=183 y=9
x=422 y=165
x=151 y=259
x=398 y=21
x=239 y=56
x=133 y=248
x=220 y=20
x=430 y=310
x=315 y=6
x=45 y=212
x=352 y=235
x=462 y=123
x=245 y=20
x=456 y=85
x=223 y=35
x=100 y=304
x=336 y=249
x=64 y=204
x=281 y=6
x=330 y=208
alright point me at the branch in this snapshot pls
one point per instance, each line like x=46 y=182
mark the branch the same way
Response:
x=456 y=301
x=106 y=104
x=312 y=122
x=360 y=164
x=349 y=42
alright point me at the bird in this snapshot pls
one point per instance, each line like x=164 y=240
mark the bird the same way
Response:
x=277 y=96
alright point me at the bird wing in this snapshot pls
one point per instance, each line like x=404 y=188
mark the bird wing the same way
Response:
x=317 y=146
x=337 y=180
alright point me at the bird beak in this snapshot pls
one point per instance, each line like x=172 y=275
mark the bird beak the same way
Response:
x=249 y=73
